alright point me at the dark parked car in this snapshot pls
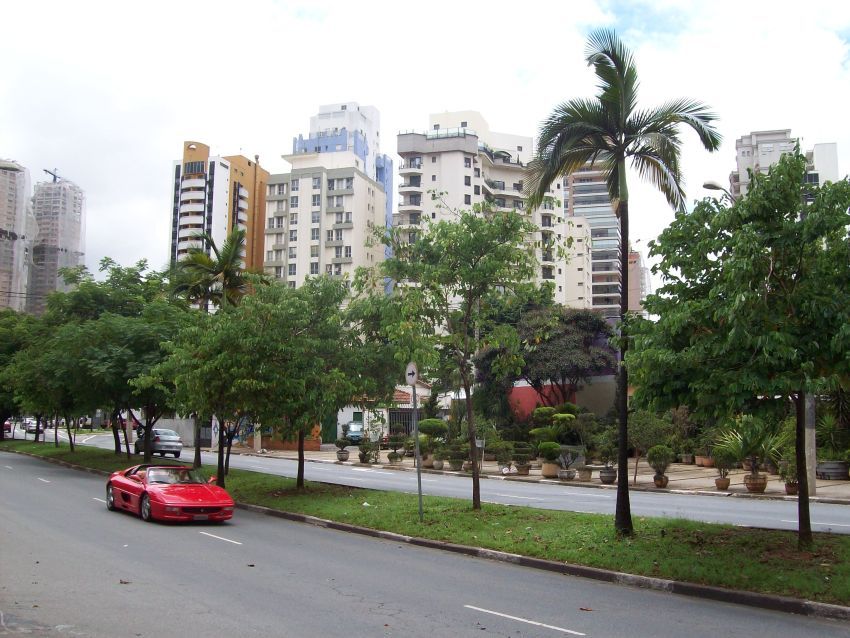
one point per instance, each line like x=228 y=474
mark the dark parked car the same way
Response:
x=355 y=433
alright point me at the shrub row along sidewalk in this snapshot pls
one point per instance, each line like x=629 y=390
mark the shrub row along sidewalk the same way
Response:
x=754 y=560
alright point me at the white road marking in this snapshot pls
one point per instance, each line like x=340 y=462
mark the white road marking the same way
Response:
x=8 y=467
x=817 y=523
x=527 y=498
x=526 y=620
x=361 y=469
x=99 y=500
x=220 y=538
x=43 y=480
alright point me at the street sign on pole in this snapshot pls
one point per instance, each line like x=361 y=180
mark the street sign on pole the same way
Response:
x=412 y=376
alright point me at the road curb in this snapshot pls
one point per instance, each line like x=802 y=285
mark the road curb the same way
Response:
x=770 y=602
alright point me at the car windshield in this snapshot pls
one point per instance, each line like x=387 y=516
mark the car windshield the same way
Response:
x=177 y=475
x=165 y=433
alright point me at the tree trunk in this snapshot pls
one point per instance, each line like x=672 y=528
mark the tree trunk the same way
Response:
x=68 y=430
x=116 y=436
x=147 y=440
x=230 y=436
x=126 y=436
x=299 y=481
x=637 y=460
x=623 y=514
x=37 y=427
x=220 y=473
x=196 y=462
x=55 y=431
x=473 y=449
x=804 y=525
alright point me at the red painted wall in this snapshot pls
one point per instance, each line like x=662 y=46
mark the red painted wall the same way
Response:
x=523 y=400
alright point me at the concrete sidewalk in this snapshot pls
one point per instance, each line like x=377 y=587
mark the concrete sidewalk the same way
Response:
x=684 y=479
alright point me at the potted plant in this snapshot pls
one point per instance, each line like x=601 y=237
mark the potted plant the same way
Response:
x=723 y=462
x=368 y=451
x=395 y=441
x=439 y=456
x=608 y=455
x=659 y=458
x=550 y=451
x=832 y=450
x=522 y=457
x=570 y=455
x=456 y=454
x=788 y=473
x=687 y=452
x=752 y=439
x=341 y=452
x=503 y=451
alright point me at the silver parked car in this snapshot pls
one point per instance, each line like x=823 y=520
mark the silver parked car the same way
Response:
x=162 y=442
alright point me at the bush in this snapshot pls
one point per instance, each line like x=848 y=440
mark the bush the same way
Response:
x=435 y=428
x=724 y=461
x=788 y=471
x=659 y=458
x=550 y=451
x=503 y=451
x=342 y=443
x=522 y=453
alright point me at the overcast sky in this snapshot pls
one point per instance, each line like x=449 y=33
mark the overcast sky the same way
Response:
x=107 y=91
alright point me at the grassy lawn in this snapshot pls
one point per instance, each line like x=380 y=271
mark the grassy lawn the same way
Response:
x=719 y=555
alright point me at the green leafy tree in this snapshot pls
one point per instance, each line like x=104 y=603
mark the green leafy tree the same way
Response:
x=755 y=307
x=647 y=429
x=606 y=132
x=15 y=333
x=444 y=277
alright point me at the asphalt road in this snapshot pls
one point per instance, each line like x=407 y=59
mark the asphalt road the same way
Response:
x=69 y=567
x=766 y=513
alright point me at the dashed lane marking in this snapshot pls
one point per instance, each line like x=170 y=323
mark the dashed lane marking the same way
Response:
x=227 y=540
x=99 y=500
x=43 y=480
x=526 y=620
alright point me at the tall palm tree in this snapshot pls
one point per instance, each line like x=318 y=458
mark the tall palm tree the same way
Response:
x=212 y=275
x=604 y=132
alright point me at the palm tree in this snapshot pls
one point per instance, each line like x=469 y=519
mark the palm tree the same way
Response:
x=604 y=132
x=209 y=275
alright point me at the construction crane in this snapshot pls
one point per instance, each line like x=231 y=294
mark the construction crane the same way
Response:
x=54 y=172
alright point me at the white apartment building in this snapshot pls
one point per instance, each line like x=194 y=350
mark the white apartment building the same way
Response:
x=319 y=217
x=17 y=233
x=464 y=163
x=59 y=210
x=760 y=150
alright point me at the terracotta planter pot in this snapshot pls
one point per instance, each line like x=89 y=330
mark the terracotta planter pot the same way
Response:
x=792 y=489
x=687 y=459
x=699 y=460
x=566 y=475
x=722 y=484
x=585 y=474
x=660 y=480
x=708 y=461
x=549 y=470
x=755 y=484
x=522 y=470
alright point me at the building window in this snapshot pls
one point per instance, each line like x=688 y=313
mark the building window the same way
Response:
x=330 y=235
x=292 y=269
x=329 y=268
x=348 y=251
x=337 y=269
x=338 y=234
x=339 y=218
x=269 y=255
x=293 y=235
x=317 y=183
x=281 y=189
x=314 y=250
x=477 y=190
x=294 y=183
x=314 y=268
x=279 y=221
x=436 y=127
x=317 y=201
x=314 y=234
x=467 y=180
x=291 y=284
x=314 y=217
x=293 y=201
x=467 y=199
x=293 y=219
x=278 y=271
x=467 y=162
x=519 y=148
x=348 y=217
x=330 y=184
x=433 y=159
x=337 y=252
x=433 y=178
x=293 y=252
x=349 y=182
x=339 y=201
x=477 y=172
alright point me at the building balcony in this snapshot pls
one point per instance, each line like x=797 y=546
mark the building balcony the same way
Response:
x=343 y=225
x=341 y=260
x=407 y=188
x=408 y=207
x=410 y=168
x=547 y=256
x=243 y=192
x=332 y=243
x=185 y=244
x=335 y=209
x=188 y=233
x=186 y=196
x=412 y=219
x=193 y=182
x=191 y=208
x=191 y=220
x=242 y=217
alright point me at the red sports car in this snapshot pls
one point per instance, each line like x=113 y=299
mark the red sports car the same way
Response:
x=167 y=493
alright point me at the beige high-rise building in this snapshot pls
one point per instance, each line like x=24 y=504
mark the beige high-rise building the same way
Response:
x=465 y=163
x=59 y=209
x=760 y=150
x=639 y=282
x=216 y=194
x=17 y=234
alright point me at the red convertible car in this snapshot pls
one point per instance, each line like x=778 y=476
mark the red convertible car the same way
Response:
x=167 y=493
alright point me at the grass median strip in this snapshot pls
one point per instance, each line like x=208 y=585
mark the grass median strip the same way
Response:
x=720 y=555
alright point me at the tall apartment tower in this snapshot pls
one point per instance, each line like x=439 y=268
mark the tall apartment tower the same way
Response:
x=639 y=282
x=17 y=233
x=586 y=197
x=215 y=195
x=59 y=210
x=320 y=215
x=760 y=150
x=466 y=163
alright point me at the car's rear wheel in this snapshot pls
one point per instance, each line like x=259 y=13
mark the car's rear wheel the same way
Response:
x=177 y=455
x=162 y=454
x=110 y=498
x=145 y=508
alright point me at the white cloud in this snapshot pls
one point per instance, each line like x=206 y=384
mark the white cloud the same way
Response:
x=108 y=91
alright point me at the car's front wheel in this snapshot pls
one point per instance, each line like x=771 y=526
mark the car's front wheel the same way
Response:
x=110 y=498
x=145 y=508
x=177 y=455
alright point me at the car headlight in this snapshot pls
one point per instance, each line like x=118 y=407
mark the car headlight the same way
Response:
x=227 y=509
x=171 y=508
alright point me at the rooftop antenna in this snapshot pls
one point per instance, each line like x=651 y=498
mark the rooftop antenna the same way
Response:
x=54 y=172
